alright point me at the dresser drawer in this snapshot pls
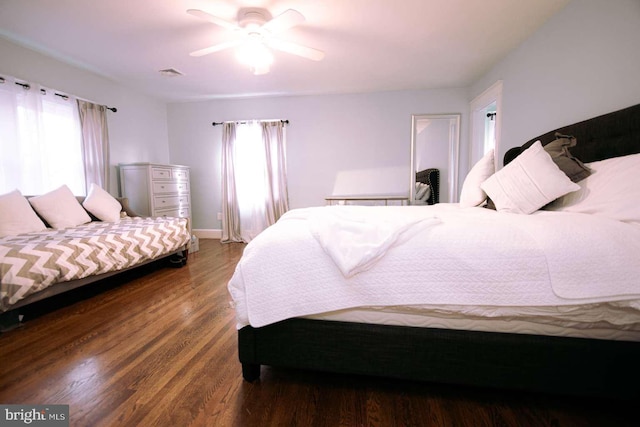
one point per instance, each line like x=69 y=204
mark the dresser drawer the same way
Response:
x=164 y=202
x=160 y=173
x=175 y=174
x=176 y=213
x=180 y=174
x=170 y=187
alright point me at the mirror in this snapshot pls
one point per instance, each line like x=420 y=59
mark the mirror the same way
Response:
x=435 y=140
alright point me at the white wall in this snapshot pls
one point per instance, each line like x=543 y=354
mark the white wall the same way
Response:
x=329 y=136
x=137 y=132
x=583 y=62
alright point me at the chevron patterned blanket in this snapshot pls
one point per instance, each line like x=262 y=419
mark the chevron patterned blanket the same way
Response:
x=34 y=261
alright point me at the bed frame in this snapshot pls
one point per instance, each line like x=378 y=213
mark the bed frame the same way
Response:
x=562 y=365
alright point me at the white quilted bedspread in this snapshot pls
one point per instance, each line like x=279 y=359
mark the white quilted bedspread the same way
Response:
x=466 y=256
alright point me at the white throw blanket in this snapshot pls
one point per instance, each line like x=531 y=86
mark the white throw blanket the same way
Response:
x=355 y=239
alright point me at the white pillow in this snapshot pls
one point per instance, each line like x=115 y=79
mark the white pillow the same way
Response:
x=102 y=204
x=611 y=190
x=472 y=194
x=60 y=208
x=17 y=216
x=528 y=183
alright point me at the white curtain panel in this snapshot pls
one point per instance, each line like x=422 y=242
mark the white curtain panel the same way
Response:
x=277 y=195
x=40 y=140
x=230 y=209
x=95 y=143
x=250 y=168
x=254 y=178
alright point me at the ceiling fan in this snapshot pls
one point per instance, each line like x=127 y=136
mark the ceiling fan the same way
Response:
x=258 y=34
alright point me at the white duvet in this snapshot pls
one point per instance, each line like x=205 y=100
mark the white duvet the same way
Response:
x=445 y=255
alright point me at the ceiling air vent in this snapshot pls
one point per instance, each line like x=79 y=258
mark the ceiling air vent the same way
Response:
x=171 y=72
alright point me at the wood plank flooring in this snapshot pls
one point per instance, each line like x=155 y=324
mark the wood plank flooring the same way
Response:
x=157 y=347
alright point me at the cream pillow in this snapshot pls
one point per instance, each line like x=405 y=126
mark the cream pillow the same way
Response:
x=17 y=216
x=611 y=190
x=60 y=208
x=472 y=194
x=102 y=204
x=528 y=183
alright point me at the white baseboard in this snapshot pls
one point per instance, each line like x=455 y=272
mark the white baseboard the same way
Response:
x=207 y=233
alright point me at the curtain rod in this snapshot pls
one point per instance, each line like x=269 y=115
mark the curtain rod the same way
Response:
x=286 y=122
x=27 y=86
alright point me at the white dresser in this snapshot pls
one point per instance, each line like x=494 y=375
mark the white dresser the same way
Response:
x=156 y=189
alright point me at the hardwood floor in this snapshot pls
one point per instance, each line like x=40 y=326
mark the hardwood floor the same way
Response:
x=158 y=348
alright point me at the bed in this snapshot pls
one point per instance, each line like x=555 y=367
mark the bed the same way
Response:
x=40 y=264
x=585 y=344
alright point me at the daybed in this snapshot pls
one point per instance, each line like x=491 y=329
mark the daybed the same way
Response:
x=564 y=318
x=40 y=264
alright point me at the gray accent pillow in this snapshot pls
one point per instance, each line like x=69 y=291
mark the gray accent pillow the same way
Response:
x=558 y=149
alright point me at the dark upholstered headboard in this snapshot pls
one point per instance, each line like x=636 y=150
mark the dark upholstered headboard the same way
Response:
x=430 y=177
x=610 y=135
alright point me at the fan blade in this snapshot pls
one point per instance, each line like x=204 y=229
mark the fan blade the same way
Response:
x=216 y=48
x=214 y=19
x=287 y=19
x=296 y=49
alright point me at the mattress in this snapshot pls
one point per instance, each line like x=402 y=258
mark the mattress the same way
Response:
x=31 y=262
x=615 y=321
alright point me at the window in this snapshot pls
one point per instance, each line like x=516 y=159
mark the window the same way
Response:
x=40 y=140
x=254 y=178
x=490 y=128
x=249 y=168
x=485 y=123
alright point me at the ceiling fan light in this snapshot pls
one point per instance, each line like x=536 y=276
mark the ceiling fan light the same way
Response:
x=256 y=55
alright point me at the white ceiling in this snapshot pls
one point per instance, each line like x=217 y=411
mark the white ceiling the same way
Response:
x=370 y=45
